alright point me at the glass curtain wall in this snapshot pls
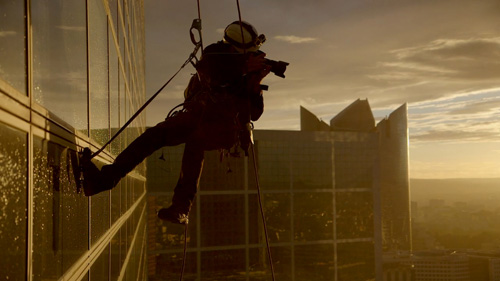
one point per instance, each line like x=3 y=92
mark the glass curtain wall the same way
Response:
x=317 y=198
x=71 y=73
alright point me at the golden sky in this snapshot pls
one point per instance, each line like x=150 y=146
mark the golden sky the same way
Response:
x=440 y=57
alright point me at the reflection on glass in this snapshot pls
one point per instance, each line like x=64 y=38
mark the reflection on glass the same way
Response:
x=100 y=268
x=315 y=262
x=13 y=171
x=99 y=209
x=113 y=89
x=259 y=268
x=115 y=266
x=277 y=212
x=356 y=261
x=303 y=165
x=98 y=72
x=166 y=267
x=60 y=219
x=311 y=165
x=223 y=265
x=354 y=215
x=274 y=164
x=60 y=59
x=354 y=164
x=13 y=44
x=132 y=270
x=313 y=216
x=222 y=220
x=47 y=242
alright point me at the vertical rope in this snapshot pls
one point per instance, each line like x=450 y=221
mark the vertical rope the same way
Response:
x=255 y=166
x=185 y=252
x=241 y=26
x=199 y=17
x=262 y=213
x=199 y=10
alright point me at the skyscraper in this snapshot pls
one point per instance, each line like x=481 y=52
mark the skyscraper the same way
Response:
x=70 y=73
x=322 y=191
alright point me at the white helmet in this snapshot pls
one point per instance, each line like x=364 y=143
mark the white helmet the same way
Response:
x=250 y=41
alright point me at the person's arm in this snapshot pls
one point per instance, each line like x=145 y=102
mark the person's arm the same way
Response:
x=257 y=69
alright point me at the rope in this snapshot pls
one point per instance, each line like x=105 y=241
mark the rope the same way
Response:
x=255 y=166
x=191 y=56
x=185 y=251
x=262 y=213
x=241 y=26
x=199 y=30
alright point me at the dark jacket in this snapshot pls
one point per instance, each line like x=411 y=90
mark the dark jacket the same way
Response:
x=221 y=76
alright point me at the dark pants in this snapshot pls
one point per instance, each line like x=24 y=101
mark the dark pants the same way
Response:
x=212 y=127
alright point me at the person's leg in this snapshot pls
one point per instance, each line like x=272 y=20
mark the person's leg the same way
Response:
x=187 y=185
x=173 y=131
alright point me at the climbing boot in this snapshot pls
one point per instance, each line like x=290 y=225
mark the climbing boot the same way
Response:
x=174 y=214
x=95 y=180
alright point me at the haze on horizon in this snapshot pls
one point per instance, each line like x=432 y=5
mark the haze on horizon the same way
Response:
x=440 y=57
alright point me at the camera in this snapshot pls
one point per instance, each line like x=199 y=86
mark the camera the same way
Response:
x=277 y=67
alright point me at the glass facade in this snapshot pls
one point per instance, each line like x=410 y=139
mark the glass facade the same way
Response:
x=13 y=218
x=71 y=72
x=321 y=194
x=13 y=45
x=394 y=178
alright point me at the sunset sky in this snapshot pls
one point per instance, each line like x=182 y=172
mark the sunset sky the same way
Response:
x=440 y=57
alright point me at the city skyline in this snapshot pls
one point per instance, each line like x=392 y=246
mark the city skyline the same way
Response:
x=391 y=52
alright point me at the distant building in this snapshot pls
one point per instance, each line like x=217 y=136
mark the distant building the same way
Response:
x=69 y=72
x=332 y=201
x=440 y=265
x=453 y=265
x=398 y=266
x=484 y=266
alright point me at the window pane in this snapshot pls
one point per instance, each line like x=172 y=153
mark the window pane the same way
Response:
x=274 y=164
x=313 y=216
x=13 y=171
x=47 y=244
x=115 y=265
x=259 y=264
x=278 y=219
x=315 y=262
x=354 y=215
x=227 y=174
x=356 y=261
x=223 y=265
x=60 y=59
x=166 y=266
x=60 y=222
x=13 y=44
x=222 y=220
x=164 y=166
x=113 y=89
x=100 y=269
x=311 y=165
x=100 y=215
x=98 y=72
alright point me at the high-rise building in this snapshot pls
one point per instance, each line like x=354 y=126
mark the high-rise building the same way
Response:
x=435 y=266
x=323 y=189
x=70 y=71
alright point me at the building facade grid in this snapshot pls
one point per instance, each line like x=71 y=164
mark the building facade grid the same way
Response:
x=71 y=72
